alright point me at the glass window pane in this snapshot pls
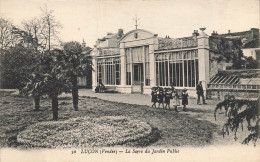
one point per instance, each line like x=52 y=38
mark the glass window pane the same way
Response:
x=185 y=74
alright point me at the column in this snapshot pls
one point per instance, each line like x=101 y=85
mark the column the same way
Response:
x=123 y=67
x=153 y=47
x=144 y=72
x=203 y=58
x=94 y=73
x=131 y=65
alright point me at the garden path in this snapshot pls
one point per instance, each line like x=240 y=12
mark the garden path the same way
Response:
x=200 y=112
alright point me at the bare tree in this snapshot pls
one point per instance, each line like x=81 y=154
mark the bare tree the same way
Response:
x=7 y=38
x=50 y=28
x=33 y=27
x=44 y=30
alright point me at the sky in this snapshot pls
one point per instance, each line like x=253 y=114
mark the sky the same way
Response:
x=90 y=20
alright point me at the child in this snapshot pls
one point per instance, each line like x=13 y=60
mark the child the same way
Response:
x=184 y=95
x=160 y=97
x=154 y=96
x=168 y=96
x=176 y=101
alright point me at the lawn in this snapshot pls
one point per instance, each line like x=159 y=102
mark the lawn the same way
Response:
x=173 y=129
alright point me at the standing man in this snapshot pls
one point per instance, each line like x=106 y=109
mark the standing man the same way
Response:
x=200 y=92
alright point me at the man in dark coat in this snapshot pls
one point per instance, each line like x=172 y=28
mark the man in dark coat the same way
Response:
x=200 y=93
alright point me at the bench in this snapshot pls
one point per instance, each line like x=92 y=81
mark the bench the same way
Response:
x=110 y=89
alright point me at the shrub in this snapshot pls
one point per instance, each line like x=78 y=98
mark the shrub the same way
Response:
x=84 y=132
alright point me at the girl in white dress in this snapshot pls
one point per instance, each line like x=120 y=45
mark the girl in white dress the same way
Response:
x=176 y=101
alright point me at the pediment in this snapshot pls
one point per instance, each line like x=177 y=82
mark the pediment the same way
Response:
x=131 y=36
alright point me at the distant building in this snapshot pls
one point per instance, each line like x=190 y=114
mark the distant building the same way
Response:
x=250 y=40
x=138 y=60
x=85 y=81
x=251 y=52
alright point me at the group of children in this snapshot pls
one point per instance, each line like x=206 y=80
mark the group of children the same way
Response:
x=163 y=96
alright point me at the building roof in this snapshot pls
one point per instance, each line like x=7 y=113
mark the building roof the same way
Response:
x=245 y=76
x=109 y=41
x=250 y=81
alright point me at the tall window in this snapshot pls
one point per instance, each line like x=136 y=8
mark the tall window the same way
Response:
x=99 y=73
x=128 y=66
x=108 y=71
x=117 y=71
x=147 y=65
x=177 y=68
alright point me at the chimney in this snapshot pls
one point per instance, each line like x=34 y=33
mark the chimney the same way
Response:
x=195 y=33
x=120 y=33
x=83 y=43
x=213 y=33
x=109 y=33
x=98 y=42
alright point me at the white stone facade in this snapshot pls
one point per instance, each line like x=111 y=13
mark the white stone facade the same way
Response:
x=143 y=62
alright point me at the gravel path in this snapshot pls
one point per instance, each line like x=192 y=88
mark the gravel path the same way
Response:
x=200 y=112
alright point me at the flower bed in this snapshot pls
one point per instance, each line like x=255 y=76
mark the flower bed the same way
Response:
x=84 y=132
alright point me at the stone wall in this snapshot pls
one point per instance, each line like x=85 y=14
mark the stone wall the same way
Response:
x=220 y=94
x=215 y=66
x=223 y=52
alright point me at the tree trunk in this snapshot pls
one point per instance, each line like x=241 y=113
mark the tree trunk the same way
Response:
x=75 y=93
x=37 y=103
x=49 y=36
x=55 y=107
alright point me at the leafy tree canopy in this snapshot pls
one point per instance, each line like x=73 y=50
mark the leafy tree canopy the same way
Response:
x=237 y=112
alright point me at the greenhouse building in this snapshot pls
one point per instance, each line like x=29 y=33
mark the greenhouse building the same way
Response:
x=139 y=60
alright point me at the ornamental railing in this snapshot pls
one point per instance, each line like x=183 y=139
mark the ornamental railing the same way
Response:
x=108 y=52
x=168 y=43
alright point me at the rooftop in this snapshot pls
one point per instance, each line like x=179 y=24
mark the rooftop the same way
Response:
x=242 y=77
